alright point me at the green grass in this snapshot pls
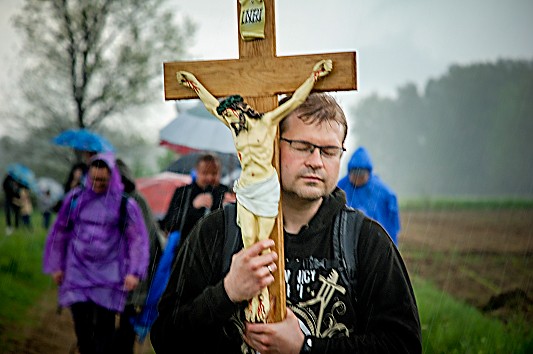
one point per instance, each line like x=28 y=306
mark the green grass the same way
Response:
x=454 y=203
x=22 y=282
x=450 y=326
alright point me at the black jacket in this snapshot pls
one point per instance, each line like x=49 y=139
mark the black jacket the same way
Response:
x=196 y=315
x=10 y=188
x=181 y=204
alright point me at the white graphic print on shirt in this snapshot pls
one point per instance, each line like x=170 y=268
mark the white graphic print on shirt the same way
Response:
x=316 y=297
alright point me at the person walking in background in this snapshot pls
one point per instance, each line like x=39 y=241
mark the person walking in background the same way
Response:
x=46 y=204
x=368 y=308
x=365 y=191
x=191 y=202
x=188 y=205
x=11 y=209
x=124 y=340
x=97 y=252
x=75 y=176
x=75 y=179
x=26 y=207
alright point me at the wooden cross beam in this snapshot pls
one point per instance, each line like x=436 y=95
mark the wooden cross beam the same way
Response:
x=260 y=76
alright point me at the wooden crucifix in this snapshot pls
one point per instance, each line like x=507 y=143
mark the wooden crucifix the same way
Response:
x=260 y=76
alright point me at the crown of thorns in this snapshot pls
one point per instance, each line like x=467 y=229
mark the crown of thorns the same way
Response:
x=228 y=102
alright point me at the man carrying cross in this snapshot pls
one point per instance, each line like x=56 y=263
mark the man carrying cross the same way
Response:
x=257 y=188
x=369 y=307
x=339 y=267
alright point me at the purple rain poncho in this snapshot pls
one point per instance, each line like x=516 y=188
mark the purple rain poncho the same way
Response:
x=94 y=255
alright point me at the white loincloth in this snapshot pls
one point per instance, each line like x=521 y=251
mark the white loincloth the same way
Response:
x=261 y=198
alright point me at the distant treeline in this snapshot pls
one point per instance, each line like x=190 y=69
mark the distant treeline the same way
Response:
x=469 y=133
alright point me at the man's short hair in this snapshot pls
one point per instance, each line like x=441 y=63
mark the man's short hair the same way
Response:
x=100 y=164
x=209 y=158
x=319 y=108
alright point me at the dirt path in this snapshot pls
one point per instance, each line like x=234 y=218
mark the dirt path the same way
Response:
x=473 y=255
x=54 y=333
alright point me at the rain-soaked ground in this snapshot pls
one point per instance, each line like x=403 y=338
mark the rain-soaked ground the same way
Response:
x=481 y=257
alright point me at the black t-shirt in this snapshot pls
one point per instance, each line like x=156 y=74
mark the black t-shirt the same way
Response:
x=315 y=291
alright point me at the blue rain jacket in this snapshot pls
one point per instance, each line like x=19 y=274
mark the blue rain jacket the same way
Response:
x=142 y=323
x=375 y=198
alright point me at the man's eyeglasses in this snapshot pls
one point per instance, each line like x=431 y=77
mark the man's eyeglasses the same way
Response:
x=306 y=148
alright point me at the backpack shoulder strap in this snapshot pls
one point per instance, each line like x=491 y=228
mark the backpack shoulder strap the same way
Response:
x=72 y=206
x=346 y=230
x=232 y=236
x=123 y=213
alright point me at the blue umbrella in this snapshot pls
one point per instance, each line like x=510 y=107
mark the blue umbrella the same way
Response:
x=23 y=175
x=83 y=140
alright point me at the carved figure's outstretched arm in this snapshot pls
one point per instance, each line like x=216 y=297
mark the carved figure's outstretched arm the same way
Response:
x=321 y=69
x=210 y=102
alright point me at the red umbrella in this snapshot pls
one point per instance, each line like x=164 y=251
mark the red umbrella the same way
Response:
x=158 y=190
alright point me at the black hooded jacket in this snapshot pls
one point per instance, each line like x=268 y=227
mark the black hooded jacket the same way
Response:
x=381 y=316
x=181 y=215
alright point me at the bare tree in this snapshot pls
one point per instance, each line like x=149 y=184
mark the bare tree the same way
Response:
x=95 y=58
x=87 y=60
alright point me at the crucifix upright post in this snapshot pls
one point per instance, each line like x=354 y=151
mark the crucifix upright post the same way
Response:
x=260 y=76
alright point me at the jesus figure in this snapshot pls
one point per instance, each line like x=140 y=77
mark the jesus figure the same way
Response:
x=258 y=188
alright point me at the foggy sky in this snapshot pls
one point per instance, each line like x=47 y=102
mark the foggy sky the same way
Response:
x=396 y=41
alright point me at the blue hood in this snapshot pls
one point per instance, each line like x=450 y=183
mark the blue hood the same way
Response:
x=360 y=159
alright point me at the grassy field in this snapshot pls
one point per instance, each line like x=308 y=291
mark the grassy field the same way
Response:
x=448 y=325
x=444 y=203
x=22 y=282
x=451 y=326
